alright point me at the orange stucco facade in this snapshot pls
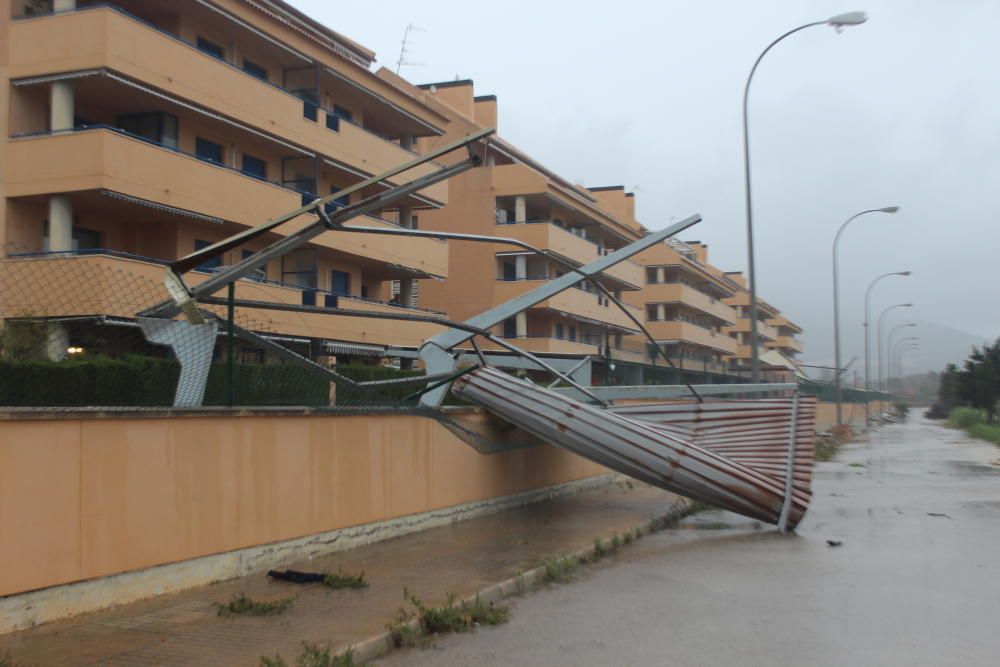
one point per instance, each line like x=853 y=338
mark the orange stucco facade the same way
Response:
x=84 y=497
x=149 y=130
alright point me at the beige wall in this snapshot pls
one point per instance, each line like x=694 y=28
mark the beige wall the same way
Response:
x=88 y=497
x=854 y=414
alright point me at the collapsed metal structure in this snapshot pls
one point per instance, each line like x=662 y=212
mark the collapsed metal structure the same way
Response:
x=751 y=456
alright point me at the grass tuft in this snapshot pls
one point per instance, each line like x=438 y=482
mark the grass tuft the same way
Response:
x=341 y=580
x=558 y=569
x=241 y=605
x=313 y=655
x=451 y=617
x=600 y=549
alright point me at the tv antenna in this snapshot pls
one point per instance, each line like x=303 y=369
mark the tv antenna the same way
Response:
x=402 y=50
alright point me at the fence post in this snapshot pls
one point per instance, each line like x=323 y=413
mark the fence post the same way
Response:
x=230 y=367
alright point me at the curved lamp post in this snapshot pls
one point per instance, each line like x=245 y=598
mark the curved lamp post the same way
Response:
x=836 y=301
x=898 y=349
x=839 y=22
x=890 y=346
x=868 y=335
x=878 y=341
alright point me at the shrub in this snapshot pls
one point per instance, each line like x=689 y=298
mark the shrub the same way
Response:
x=965 y=417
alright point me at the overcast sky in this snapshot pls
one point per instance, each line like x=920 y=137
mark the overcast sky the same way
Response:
x=903 y=110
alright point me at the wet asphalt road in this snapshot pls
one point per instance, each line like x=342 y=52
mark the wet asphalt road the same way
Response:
x=916 y=580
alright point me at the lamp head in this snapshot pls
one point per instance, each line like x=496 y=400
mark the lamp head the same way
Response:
x=904 y=273
x=889 y=209
x=850 y=18
x=906 y=305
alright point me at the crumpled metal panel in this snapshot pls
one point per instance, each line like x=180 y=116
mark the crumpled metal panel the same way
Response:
x=728 y=454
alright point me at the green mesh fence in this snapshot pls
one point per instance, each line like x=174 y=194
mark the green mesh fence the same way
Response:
x=827 y=392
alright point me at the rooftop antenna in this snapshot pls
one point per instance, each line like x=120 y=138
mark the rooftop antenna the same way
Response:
x=402 y=50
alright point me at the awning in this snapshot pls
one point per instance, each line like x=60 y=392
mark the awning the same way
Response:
x=162 y=207
x=354 y=349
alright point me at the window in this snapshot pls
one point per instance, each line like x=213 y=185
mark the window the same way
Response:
x=253 y=69
x=509 y=271
x=510 y=328
x=572 y=332
x=155 y=126
x=340 y=201
x=86 y=239
x=652 y=314
x=298 y=267
x=208 y=150
x=559 y=330
x=341 y=112
x=254 y=166
x=208 y=264
x=340 y=282
x=310 y=104
x=211 y=48
x=651 y=276
x=332 y=122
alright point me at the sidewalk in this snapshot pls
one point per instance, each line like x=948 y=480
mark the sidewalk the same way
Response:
x=464 y=558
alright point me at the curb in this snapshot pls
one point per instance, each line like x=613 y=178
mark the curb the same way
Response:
x=380 y=644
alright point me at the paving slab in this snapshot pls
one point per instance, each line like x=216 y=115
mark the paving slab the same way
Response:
x=462 y=558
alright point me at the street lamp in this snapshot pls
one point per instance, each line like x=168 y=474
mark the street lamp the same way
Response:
x=836 y=300
x=897 y=350
x=868 y=372
x=890 y=346
x=878 y=341
x=838 y=22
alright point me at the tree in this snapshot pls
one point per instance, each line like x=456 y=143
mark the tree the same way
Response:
x=979 y=379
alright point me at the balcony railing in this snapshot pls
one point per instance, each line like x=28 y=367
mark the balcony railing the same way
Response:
x=306 y=196
x=180 y=40
x=572 y=246
x=310 y=296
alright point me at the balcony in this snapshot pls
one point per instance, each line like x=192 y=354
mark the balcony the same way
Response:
x=693 y=334
x=102 y=159
x=689 y=296
x=103 y=37
x=547 y=236
x=519 y=179
x=764 y=331
x=118 y=285
x=784 y=325
x=786 y=343
x=573 y=302
x=544 y=345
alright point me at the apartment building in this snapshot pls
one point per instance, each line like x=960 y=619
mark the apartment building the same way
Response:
x=684 y=305
x=514 y=196
x=774 y=332
x=138 y=132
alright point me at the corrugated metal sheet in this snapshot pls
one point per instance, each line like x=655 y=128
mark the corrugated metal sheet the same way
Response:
x=729 y=454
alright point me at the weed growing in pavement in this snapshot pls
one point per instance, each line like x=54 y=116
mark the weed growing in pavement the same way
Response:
x=313 y=655
x=856 y=465
x=399 y=628
x=241 y=605
x=452 y=617
x=600 y=550
x=558 y=569
x=627 y=537
x=341 y=580
x=616 y=542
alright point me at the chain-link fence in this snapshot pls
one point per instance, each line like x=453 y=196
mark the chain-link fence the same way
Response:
x=70 y=339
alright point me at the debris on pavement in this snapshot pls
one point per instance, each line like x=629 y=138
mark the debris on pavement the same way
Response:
x=834 y=543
